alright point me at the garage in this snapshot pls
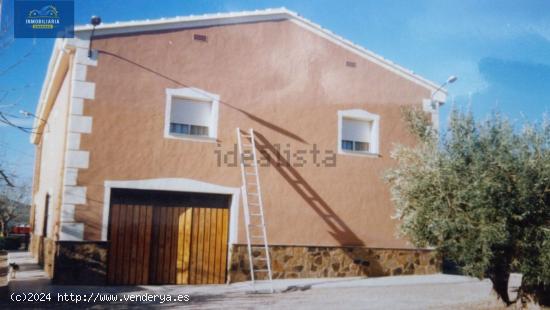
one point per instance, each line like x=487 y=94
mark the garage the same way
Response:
x=165 y=237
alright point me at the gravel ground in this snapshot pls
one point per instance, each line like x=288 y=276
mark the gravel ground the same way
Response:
x=400 y=292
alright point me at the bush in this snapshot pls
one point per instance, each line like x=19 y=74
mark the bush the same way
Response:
x=10 y=243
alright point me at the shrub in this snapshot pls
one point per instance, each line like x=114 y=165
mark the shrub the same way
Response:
x=11 y=243
x=481 y=196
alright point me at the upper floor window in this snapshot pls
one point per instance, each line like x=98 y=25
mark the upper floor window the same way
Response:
x=358 y=132
x=191 y=114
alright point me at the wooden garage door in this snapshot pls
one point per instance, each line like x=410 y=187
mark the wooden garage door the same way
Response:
x=167 y=238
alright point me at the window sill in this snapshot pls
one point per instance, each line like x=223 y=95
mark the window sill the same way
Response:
x=357 y=153
x=191 y=138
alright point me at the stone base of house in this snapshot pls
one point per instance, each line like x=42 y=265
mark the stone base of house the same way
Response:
x=85 y=262
x=72 y=262
x=34 y=245
x=44 y=250
x=320 y=262
x=81 y=262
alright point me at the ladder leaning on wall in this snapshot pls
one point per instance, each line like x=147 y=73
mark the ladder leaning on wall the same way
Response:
x=253 y=208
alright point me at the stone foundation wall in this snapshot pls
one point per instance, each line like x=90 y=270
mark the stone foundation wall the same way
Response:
x=4 y=268
x=320 y=262
x=72 y=262
x=85 y=263
x=34 y=246
x=49 y=256
x=82 y=263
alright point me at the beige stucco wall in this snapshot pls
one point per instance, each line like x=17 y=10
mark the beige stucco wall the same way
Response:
x=51 y=162
x=276 y=77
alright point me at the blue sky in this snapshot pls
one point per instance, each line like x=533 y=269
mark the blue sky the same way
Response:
x=500 y=50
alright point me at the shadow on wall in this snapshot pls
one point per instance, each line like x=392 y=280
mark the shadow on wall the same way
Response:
x=96 y=223
x=339 y=230
x=249 y=115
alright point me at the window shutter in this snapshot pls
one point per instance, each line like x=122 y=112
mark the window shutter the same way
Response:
x=356 y=130
x=191 y=112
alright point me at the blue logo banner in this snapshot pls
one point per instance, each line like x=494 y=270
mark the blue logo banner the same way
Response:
x=43 y=19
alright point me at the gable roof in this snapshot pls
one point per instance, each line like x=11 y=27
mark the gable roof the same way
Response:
x=59 y=61
x=182 y=22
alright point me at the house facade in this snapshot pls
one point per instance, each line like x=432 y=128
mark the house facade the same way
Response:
x=137 y=177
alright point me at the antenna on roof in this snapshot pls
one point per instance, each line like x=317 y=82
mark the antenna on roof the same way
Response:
x=95 y=20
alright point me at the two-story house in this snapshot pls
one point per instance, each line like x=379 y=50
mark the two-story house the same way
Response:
x=138 y=179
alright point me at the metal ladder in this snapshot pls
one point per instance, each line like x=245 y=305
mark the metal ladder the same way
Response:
x=253 y=207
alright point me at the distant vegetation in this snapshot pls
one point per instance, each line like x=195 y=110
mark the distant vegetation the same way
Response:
x=13 y=209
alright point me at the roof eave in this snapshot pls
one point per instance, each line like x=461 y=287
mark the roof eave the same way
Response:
x=183 y=22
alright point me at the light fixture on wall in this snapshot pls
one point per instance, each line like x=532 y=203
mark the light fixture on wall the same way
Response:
x=95 y=20
x=451 y=79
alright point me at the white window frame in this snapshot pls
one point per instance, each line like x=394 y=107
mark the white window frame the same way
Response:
x=360 y=115
x=192 y=93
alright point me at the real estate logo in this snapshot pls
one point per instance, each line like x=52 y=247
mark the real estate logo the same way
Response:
x=44 y=19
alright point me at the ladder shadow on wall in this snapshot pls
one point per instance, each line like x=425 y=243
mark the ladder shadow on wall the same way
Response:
x=340 y=231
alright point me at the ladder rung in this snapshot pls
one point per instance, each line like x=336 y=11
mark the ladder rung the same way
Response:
x=261 y=270
x=252 y=184
x=260 y=258
x=254 y=194
x=245 y=144
x=250 y=173
x=257 y=237
x=255 y=214
x=253 y=204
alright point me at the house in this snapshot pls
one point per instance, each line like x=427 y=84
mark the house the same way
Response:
x=137 y=179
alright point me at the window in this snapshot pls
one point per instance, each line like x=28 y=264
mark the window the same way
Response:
x=191 y=114
x=357 y=132
x=188 y=129
x=190 y=117
x=349 y=145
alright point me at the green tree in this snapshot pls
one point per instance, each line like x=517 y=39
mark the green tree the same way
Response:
x=480 y=194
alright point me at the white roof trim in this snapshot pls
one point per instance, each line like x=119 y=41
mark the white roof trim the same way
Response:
x=59 y=51
x=206 y=20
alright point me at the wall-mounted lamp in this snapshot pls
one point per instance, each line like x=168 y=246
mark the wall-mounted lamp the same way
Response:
x=451 y=79
x=95 y=20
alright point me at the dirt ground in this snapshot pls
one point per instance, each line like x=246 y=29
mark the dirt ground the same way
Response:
x=400 y=292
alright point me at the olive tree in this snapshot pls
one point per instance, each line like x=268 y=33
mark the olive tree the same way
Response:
x=479 y=192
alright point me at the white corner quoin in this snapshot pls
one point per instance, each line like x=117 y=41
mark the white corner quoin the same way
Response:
x=191 y=106
x=355 y=131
